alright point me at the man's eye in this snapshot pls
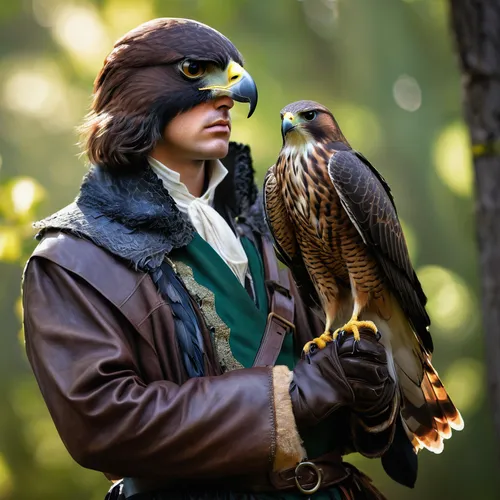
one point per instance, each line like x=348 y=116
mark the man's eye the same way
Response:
x=309 y=115
x=193 y=69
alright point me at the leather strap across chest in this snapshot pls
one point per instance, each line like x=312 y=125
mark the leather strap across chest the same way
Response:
x=280 y=320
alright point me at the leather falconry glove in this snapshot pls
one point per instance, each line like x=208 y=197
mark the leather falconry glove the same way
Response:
x=375 y=409
x=343 y=374
x=365 y=367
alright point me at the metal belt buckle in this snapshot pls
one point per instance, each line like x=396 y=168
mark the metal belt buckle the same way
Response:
x=272 y=315
x=316 y=470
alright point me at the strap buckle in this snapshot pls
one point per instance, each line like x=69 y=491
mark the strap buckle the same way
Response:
x=316 y=470
x=273 y=316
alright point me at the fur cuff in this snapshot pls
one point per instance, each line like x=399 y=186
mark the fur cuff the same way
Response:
x=289 y=450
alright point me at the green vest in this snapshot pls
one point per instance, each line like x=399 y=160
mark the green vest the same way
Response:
x=238 y=323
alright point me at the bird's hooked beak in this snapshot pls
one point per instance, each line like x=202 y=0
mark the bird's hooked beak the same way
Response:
x=236 y=83
x=288 y=122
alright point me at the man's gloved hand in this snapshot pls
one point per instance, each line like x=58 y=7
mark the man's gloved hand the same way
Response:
x=343 y=374
x=365 y=367
x=375 y=410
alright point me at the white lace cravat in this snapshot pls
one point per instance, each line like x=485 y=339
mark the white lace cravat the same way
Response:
x=209 y=224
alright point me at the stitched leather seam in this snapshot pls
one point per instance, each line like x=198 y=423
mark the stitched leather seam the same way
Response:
x=150 y=311
x=122 y=303
x=153 y=310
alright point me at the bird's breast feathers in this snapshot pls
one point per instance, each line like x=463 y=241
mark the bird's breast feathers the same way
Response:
x=304 y=180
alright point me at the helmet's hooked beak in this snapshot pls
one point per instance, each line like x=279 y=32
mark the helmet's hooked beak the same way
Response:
x=287 y=123
x=238 y=84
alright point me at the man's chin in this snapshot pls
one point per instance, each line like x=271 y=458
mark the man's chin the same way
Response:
x=216 y=150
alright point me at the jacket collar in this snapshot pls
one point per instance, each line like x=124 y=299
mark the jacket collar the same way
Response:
x=133 y=216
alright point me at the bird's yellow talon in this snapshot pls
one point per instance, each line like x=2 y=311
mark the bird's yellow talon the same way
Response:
x=320 y=342
x=353 y=327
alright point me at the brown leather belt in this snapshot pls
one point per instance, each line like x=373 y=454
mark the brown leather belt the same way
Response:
x=307 y=477
x=311 y=475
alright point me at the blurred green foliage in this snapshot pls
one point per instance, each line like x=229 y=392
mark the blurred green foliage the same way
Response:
x=386 y=69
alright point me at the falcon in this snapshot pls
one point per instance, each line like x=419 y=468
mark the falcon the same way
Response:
x=335 y=225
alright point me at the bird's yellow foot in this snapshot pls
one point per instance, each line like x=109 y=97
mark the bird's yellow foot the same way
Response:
x=353 y=327
x=320 y=342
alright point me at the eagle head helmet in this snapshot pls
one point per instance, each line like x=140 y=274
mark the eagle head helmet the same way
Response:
x=156 y=71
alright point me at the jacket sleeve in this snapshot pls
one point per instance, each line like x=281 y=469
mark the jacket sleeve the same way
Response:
x=110 y=420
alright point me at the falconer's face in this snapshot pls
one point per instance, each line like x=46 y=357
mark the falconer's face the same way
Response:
x=202 y=132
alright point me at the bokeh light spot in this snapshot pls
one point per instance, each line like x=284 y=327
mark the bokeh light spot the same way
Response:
x=123 y=15
x=452 y=159
x=44 y=11
x=19 y=197
x=32 y=92
x=321 y=16
x=38 y=89
x=407 y=93
x=10 y=244
x=5 y=478
x=23 y=195
x=80 y=30
x=464 y=380
x=451 y=305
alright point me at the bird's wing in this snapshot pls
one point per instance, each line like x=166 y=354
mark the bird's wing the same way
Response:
x=285 y=242
x=367 y=199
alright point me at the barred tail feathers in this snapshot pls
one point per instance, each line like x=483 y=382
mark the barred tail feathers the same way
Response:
x=427 y=411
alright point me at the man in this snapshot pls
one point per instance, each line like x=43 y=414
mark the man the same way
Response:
x=155 y=311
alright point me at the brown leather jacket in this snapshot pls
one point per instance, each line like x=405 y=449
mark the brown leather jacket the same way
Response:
x=102 y=345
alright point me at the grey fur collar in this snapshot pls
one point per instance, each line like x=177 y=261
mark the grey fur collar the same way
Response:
x=134 y=217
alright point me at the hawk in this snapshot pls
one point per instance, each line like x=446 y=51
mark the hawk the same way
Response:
x=335 y=225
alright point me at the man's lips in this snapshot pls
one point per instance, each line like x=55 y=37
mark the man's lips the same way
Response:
x=219 y=126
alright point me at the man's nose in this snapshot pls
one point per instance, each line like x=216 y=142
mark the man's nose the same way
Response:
x=223 y=102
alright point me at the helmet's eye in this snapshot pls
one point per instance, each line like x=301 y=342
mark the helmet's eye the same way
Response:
x=309 y=115
x=193 y=69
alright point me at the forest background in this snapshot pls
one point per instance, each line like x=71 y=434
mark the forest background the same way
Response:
x=389 y=72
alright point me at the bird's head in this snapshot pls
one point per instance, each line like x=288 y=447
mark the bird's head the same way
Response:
x=155 y=72
x=308 y=122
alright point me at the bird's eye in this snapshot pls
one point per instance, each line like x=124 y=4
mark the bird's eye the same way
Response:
x=193 y=69
x=309 y=115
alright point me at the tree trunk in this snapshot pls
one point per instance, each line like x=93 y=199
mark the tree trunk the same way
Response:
x=476 y=24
